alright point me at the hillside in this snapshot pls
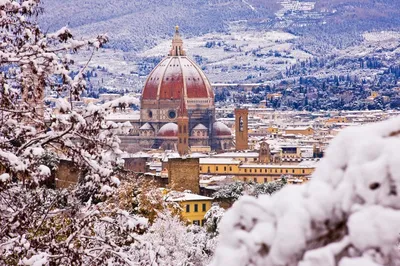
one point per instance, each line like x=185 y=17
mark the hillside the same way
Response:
x=133 y=25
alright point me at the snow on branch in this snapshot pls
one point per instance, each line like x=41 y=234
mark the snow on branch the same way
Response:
x=348 y=214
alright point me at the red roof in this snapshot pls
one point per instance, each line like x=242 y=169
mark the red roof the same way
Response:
x=168 y=130
x=173 y=74
x=220 y=129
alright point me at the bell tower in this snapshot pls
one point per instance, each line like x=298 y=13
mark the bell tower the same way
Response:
x=264 y=155
x=183 y=128
x=241 y=129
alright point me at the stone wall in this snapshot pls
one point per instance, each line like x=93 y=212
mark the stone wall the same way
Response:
x=183 y=174
x=137 y=165
x=67 y=174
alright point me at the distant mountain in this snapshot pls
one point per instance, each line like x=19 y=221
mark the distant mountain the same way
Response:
x=134 y=25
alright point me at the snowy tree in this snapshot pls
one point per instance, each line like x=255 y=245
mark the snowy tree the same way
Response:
x=32 y=63
x=169 y=242
x=348 y=214
x=213 y=217
x=232 y=192
x=40 y=226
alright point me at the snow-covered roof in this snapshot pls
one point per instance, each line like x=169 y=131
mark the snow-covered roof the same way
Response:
x=218 y=161
x=298 y=128
x=198 y=155
x=118 y=117
x=281 y=166
x=183 y=196
x=220 y=129
x=146 y=126
x=200 y=127
x=168 y=130
x=237 y=155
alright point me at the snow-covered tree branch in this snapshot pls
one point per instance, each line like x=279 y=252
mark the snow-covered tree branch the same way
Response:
x=348 y=214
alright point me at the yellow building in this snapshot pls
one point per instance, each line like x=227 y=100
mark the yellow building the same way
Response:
x=202 y=149
x=337 y=119
x=272 y=130
x=260 y=173
x=271 y=96
x=374 y=94
x=299 y=131
x=194 y=206
x=267 y=173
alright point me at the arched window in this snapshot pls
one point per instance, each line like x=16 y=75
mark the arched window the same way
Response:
x=241 y=124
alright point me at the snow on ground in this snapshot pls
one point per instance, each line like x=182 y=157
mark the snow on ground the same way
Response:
x=350 y=208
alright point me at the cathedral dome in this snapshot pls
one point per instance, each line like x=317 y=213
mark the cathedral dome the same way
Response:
x=168 y=130
x=175 y=78
x=220 y=129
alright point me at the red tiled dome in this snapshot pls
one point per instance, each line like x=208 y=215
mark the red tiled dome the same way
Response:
x=220 y=129
x=168 y=130
x=173 y=74
x=176 y=74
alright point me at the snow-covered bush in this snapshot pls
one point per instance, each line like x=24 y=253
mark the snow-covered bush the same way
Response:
x=213 y=217
x=170 y=242
x=232 y=192
x=348 y=214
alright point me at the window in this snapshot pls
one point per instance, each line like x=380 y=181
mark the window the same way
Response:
x=265 y=180
x=245 y=179
x=224 y=168
x=230 y=168
x=255 y=170
x=203 y=207
x=180 y=129
x=292 y=171
x=216 y=168
x=276 y=170
x=184 y=140
x=303 y=171
x=196 y=208
x=255 y=179
x=250 y=170
x=184 y=129
x=200 y=168
x=187 y=208
x=203 y=222
x=196 y=222
x=171 y=114
x=287 y=171
x=245 y=170
x=208 y=169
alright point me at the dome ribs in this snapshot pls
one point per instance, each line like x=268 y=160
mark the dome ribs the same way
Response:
x=172 y=81
x=150 y=89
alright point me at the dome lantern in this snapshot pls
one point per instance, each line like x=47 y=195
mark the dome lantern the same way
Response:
x=177 y=44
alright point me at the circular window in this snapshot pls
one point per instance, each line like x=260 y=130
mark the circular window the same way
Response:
x=150 y=114
x=172 y=114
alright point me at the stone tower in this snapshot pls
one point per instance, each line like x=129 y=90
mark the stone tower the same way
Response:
x=264 y=155
x=184 y=174
x=241 y=129
x=33 y=91
x=183 y=129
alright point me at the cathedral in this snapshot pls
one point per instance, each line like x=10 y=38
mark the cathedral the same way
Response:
x=177 y=107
